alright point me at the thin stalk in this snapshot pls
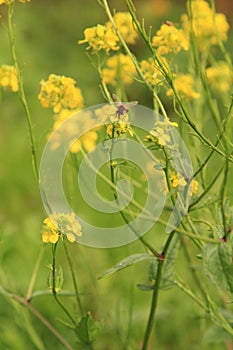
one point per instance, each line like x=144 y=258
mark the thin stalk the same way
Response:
x=73 y=278
x=154 y=300
x=168 y=77
x=54 y=247
x=40 y=317
x=22 y=95
x=34 y=275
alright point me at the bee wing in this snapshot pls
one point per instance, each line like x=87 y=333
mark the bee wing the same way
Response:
x=129 y=105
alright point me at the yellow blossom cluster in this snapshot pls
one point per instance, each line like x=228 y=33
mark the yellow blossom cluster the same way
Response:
x=206 y=24
x=59 y=92
x=125 y=26
x=178 y=180
x=100 y=38
x=71 y=129
x=161 y=131
x=8 y=78
x=116 y=129
x=184 y=84
x=169 y=39
x=58 y=225
x=118 y=67
x=151 y=72
x=220 y=76
x=104 y=37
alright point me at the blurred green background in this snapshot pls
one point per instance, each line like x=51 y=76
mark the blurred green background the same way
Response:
x=46 y=40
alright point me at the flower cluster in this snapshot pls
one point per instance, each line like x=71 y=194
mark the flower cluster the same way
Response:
x=206 y=24
x=220 y=76
x=100 y=38
x=161 y=132
x=169 y=39
x=116 y=129
x=104 y=37
x=59 y=92
x=118 y=67
x=151 y=72
x=87 y=141
x=68 y=132
x=8 y=78
x=58 y=225
x=125 y=26
x=184 y=84
x=178 y=180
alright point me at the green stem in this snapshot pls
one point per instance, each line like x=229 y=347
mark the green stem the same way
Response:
x=39 y=316
x=166 y=74
x=34 y=275
x=54 y=247
x=154 y=300
x=73 y=278
x=22 y=95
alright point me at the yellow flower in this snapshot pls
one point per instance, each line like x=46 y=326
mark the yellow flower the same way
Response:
x=69 y=131
x=178 y=180
x=184 y=84
x=151 y=72
x=119 y=68
x=87 y=141
x=59 y=92
x=59 y=224
x=207 y=25
x=170 y=39
x=220 y=76
x=9 y=1
x=119 y=129
x=161 y=132
x=100 y=38
x=8 y=78
x=125 y=26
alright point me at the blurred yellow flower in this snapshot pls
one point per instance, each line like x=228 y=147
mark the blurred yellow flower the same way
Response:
x=220 y=76
x=184 y=84
x=160 y=132
x=151 y=72
x=118 y=68
x=8 y=78
x=59 y=92
x=170 y=39
x=125 y=26
x=87 y=141
x=9 y=1
x=100 y=38
x=206 y=24
x=59 y=224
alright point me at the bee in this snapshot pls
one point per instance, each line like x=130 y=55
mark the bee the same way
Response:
x=122 y=108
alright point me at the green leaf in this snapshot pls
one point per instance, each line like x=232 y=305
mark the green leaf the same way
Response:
x=225 y=255
x=168 y=274
x=88 y=330
x=218 y=266
x=146 y=287
x=130 y=260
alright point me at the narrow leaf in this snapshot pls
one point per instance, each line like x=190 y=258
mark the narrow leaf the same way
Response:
x=130 y=260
